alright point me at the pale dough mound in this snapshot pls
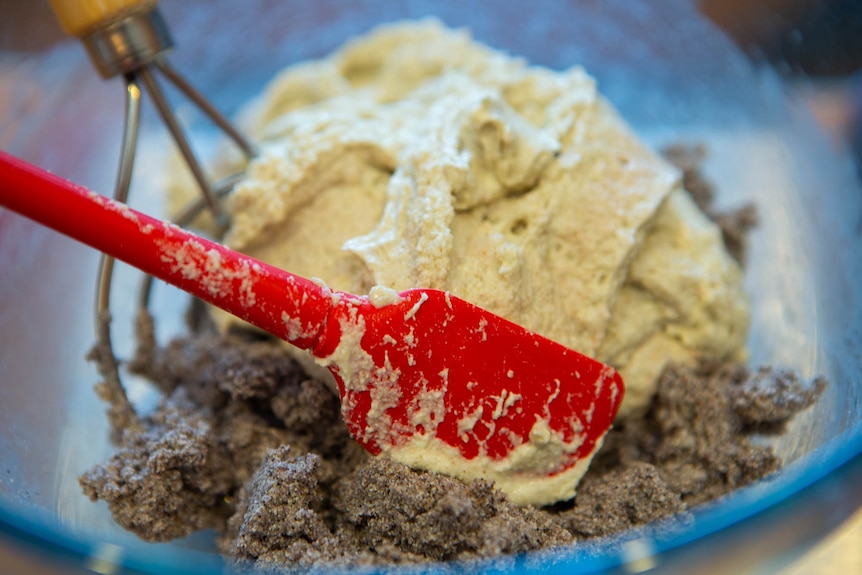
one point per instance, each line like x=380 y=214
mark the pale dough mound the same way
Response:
x=417 y=157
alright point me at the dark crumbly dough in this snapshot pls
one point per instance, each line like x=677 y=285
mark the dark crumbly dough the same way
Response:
x=437 y=517
x=770 y=397
x=245 y=443
x=734 y=224
x=694 y=435
x=208 y=436
x=621 y=497
x=381 y=512
x=277 y=520
x=169 y=480
x=121 y=414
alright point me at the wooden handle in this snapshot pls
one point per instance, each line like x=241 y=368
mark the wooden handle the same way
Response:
x=80 y=17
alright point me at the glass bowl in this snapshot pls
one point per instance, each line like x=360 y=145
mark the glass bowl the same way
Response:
x=673 y=76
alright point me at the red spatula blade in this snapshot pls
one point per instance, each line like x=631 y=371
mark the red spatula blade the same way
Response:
x=435 y=375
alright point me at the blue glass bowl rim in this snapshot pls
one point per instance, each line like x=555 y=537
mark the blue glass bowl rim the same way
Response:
x=838 y=457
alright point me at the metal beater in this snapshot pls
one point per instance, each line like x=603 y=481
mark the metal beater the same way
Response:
x=129 y=38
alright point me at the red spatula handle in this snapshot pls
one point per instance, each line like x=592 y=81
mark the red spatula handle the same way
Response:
x=286 y=305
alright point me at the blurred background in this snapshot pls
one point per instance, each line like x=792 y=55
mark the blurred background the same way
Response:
x=815 y=44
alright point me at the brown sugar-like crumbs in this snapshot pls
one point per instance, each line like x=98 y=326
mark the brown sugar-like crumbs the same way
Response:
x=694 y=436
x=382 y=513
x=168 y=481
x=624 y=497
x=770 y=397
x=257 y=451
x=735 y=224
x=437 y=517
x=210 y=433
x=121 y=414
x=689 y=158
x=275 y=521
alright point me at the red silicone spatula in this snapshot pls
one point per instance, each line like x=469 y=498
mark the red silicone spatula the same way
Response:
x=424 y=376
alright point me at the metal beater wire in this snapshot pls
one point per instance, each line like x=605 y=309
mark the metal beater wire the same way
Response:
x=211 y=193
x=216 y=191
x=128 y=149
x=170 y=120
x=246 y=145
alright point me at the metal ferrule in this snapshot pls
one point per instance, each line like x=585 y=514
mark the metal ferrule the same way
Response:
x=128 y=44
